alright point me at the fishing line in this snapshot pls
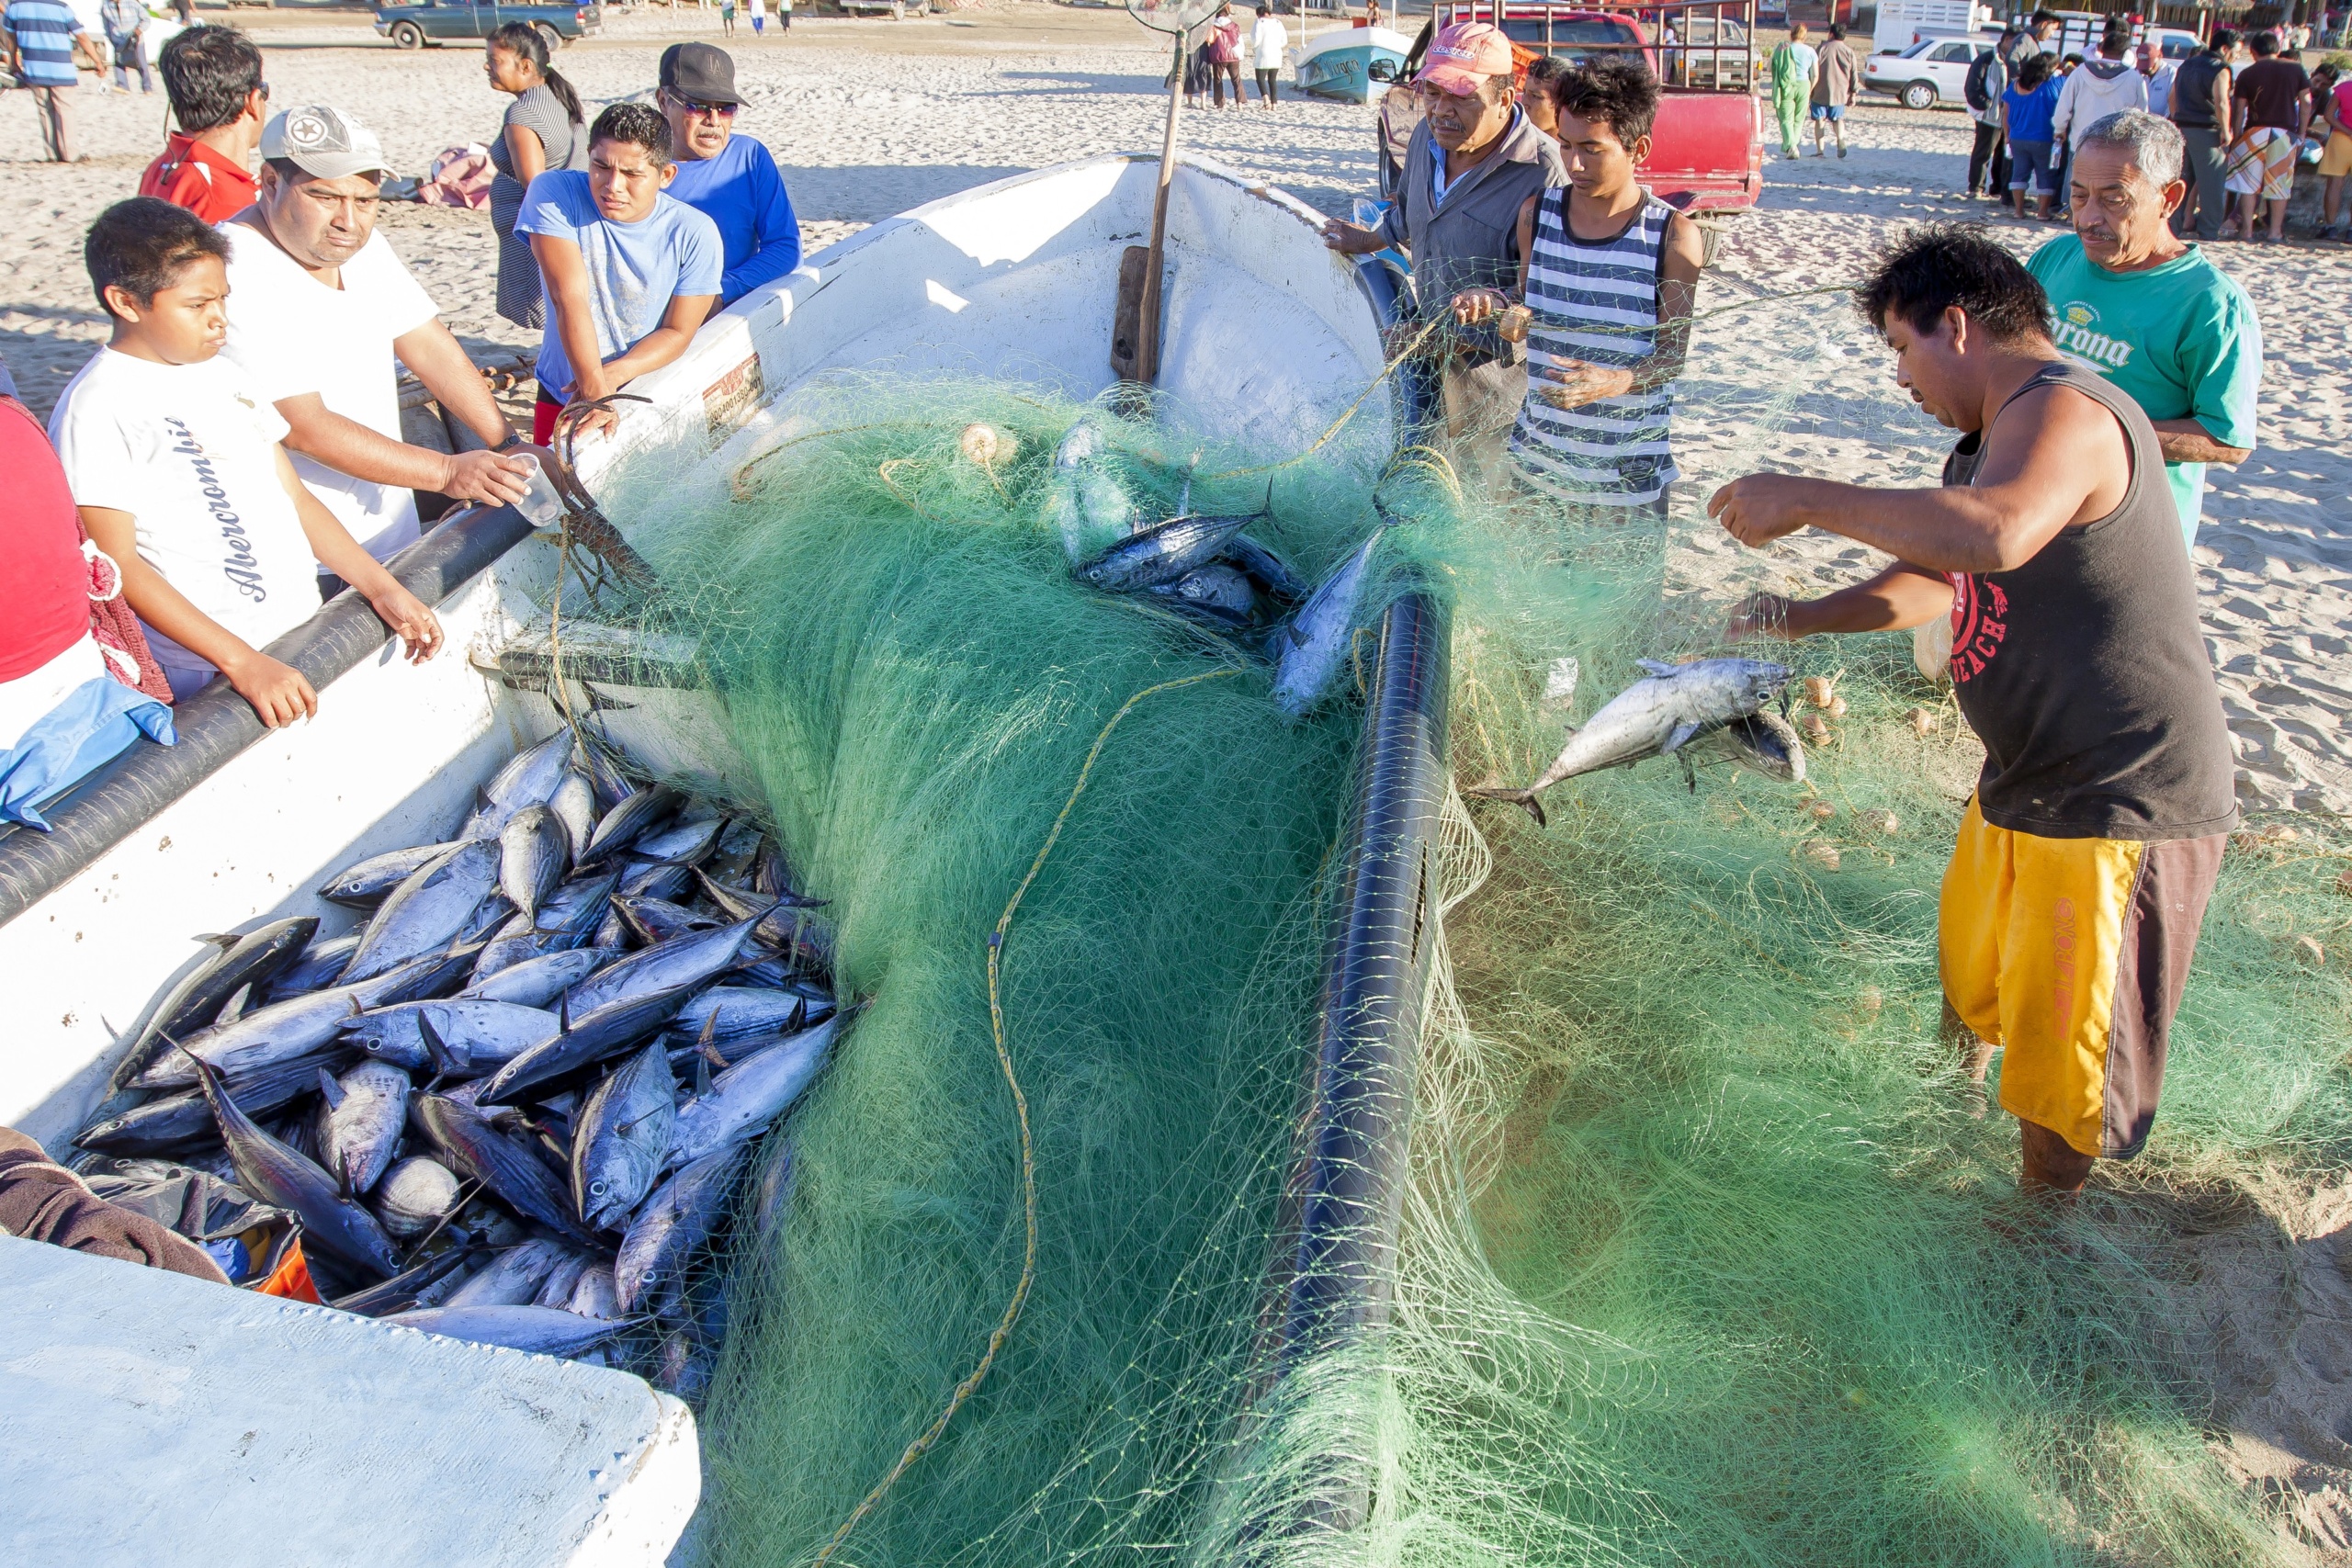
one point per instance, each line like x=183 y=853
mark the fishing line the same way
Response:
x=1003 y=1331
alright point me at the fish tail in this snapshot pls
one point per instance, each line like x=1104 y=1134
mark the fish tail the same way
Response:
x=1524 y=798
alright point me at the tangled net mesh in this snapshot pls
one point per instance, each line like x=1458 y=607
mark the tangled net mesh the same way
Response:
x=1710 y=1253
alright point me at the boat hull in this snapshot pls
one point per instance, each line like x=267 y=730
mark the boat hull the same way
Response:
x=1339 y=63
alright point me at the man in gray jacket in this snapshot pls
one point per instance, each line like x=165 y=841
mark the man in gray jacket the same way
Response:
x=1474 y=158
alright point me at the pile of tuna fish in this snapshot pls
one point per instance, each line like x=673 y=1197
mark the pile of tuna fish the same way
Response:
x=518 y=1105
x=1206 y=569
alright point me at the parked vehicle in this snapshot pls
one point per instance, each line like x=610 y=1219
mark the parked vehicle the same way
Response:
x=1693 y=60
x=1902 y=23
x=1707 y=147
x=1933 y=70
x=421 y=22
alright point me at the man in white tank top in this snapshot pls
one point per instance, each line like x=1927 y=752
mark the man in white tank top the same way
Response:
x=1607 y=283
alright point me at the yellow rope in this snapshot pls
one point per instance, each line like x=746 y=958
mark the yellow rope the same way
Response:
x=964 y=1390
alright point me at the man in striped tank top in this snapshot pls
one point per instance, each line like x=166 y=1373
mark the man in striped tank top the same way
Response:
x=1607 y=277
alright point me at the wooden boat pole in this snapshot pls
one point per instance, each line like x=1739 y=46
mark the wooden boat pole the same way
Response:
x=1147 y=329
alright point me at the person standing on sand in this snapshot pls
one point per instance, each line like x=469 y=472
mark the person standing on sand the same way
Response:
x=2202 y=109
x=2159 y=75
x=1473 y=162
x=545 y=129
x=126 y=27
x=2026 y=110
x=1371 y=13
x=44 y=38
x=730 y=179
x=2109 y=84
x=1267 y=42
x=2273 y=97
x=1795 y=65
x=1989 y=157
x=632 y=271
x=321 y=314
x=1610 y=274
x=213 y=77
x=1836 y=76
x=2337 y=162
x=2130 y=301
x=784 y=16
x=1224 y=54
x=2071 y=907
x=759 y=18
x=727 y=18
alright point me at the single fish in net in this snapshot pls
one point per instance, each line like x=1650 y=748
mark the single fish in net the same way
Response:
x=1656 y=717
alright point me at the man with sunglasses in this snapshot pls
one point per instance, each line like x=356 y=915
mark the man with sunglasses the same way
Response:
x=730 y=179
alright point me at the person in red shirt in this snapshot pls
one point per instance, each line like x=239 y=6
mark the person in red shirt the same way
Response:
x=77 y=682
x=213 y=75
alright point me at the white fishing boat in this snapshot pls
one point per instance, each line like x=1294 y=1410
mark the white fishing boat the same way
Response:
x=1352 y=63
x=257 y=1406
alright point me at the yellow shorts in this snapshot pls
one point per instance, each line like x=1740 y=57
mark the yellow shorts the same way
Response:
x=2337 y=162
x=2071 y=954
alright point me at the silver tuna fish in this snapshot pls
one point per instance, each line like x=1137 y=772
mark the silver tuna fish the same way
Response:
x=1655 y=716
x=1314 y=646
x=619 y=1137
x=536 y=982
x=367 y=884
x=676 y=1219
x=747 y=1098
x=426 y=911
x=365 y=1111
x=543 y=1331
x=413 y=1196
x=534 y=852
x=276 y=1174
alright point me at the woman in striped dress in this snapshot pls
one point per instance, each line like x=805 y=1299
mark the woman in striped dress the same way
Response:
x=1610 y=276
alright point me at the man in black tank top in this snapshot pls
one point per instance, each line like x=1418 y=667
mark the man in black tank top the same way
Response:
x=2072 y=904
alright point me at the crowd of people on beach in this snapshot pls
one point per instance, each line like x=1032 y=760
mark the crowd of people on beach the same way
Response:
x=234 y=456
x=234 y=453
x=2048 y=577
x=2245 y=109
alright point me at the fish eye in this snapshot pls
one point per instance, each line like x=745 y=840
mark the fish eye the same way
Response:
x=597 y=1187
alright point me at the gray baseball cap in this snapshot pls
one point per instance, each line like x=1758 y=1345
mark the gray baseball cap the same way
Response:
x=324 y=143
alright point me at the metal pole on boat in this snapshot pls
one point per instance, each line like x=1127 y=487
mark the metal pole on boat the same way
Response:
x=1147 y=327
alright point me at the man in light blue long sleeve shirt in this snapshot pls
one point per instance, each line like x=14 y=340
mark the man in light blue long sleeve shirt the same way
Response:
x=731 y=180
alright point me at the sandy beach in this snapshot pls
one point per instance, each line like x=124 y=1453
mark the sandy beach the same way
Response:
x=870 y=118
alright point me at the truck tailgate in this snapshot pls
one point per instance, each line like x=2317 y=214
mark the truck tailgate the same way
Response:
x=1709 y=146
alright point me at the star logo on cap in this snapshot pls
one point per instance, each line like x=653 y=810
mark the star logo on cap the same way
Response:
x=307 y=128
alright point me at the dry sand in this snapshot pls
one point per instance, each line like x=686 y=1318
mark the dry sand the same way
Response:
x=869 y=118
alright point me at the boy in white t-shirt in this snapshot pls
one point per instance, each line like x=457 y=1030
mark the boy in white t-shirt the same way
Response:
x=175 y=467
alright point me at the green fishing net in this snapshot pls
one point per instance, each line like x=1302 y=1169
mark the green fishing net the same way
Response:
x=1711 y=1253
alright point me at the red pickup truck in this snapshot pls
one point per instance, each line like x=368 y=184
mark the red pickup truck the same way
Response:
x=1707 y=149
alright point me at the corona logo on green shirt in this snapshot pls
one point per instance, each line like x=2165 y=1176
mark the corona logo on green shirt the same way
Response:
x=2076 y=333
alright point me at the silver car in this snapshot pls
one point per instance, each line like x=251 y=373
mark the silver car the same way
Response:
x=1933 y=70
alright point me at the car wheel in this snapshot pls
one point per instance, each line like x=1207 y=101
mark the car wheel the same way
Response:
x=549 y=36
x=407 y=35
x=1919 y=95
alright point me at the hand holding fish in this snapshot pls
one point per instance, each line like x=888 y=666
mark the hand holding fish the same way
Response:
x=1761 y=507
x=417 y=627
x=1575 y=383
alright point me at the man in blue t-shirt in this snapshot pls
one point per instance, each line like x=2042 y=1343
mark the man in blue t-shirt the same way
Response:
x=42 y=37
x=631 y=271
x=730 y=179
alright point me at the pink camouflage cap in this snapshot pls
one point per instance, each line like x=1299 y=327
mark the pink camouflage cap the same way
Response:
x=1463 y=56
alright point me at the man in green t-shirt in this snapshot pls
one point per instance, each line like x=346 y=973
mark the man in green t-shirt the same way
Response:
x=2128 y=300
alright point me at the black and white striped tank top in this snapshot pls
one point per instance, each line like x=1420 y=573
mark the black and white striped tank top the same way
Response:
x=1596 y=302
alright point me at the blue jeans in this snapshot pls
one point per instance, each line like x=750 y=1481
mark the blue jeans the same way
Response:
x=129 y=52
x=2030 y=162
